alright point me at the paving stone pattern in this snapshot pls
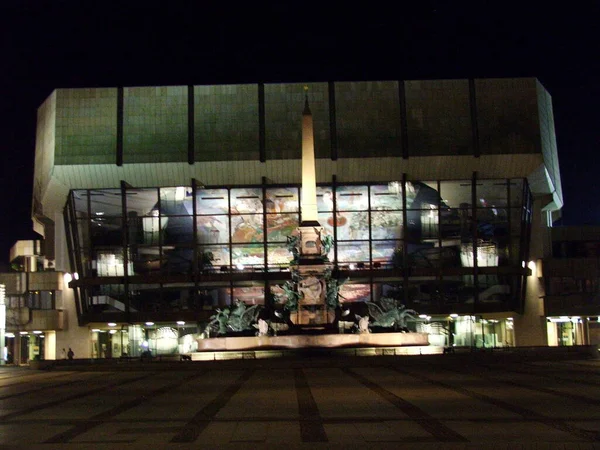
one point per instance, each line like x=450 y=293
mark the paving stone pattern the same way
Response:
x=365 y=402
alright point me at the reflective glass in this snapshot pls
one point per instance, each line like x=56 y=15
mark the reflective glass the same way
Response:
x=456 y=194
x=142 y=202
x=422 y=195
x=220 y=254
x=492 y=193
x=105 y=202
x=176 y=201
x=383 y=251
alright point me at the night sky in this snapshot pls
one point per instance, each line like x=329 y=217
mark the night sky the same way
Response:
x=46 y=45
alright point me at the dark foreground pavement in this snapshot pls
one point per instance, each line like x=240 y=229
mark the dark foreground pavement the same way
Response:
x=370 y=402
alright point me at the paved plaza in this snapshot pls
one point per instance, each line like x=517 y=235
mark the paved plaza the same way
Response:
x=368 y=402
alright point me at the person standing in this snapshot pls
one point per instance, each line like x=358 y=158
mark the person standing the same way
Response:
x=70 y=354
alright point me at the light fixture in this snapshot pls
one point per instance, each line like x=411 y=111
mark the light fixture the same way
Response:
x=149 y=323
x=453 y=315
x=95 y=330
x=112 y=331
x=23 y=332
x=112 y=324
x=180 y=322
x=37 y=332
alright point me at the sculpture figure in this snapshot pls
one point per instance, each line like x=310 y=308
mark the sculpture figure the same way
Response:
x=237 y=317
x=363 y=324
x=388 y=313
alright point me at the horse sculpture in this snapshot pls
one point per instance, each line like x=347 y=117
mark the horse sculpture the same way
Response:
x=388 y=313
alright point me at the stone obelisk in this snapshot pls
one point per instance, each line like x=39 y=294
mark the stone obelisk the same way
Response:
x=312 y=264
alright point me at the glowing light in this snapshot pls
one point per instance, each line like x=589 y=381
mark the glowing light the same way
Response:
x=239 y=266
x=95 y=330
x=23 y=332
x=37 y=332
x=352 y=266
x=112 y=324
x=454 y=316
x=112 y=331
x=76 y=276
x=149 y=323
x=532 y=266
x=67 y=277
x=180 y=322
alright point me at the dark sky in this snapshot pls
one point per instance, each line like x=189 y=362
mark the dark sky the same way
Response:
x=46 y=45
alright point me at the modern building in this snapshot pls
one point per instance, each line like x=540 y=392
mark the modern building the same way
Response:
x=572 y=286
x=164 y=203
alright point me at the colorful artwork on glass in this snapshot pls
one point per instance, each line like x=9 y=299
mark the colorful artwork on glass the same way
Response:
x=246 y=201
x=351 y=293
x=280 y=200
x=248 y=255
x=386 y=225
x=324 y=198
x=280 y=226
x=353 y=251
x=278 y=255
x=383 y=251
x=384 y=197
x=247 y=228
x=213 y=229
x=251 y=295
x=212 y=201
x=352 y=198
x=352 y=226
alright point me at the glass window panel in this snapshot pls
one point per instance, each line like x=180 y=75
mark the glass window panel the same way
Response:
x=492 y=193
x=516 y=221
x=177 y=229
x=422 y=194
x=246 y=200
x=278 y=255
x=106 y=231
x=80 y=202
x=424 y=256
x=147 y=260
x=247 y=228
x=353 y=251
x=212 y=201
x=142 y=202
x=383 y=251
x=516 y=191
x=386 y=197
x=455 y=224
x=105 y=202
x=213 y=229
x=386 y=225
x=82 y=232
x=352 y=198
x=248 y=255
x=352 y=226
x=220 y=254
x=280 y=226
x=250 y=295
x=326 y=221
x=456 y=194
x=324 y=198
x=350 y=293
x=282 y=200
x=176 y=201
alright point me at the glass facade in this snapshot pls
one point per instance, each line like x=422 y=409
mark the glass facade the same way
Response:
x=434 y=244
